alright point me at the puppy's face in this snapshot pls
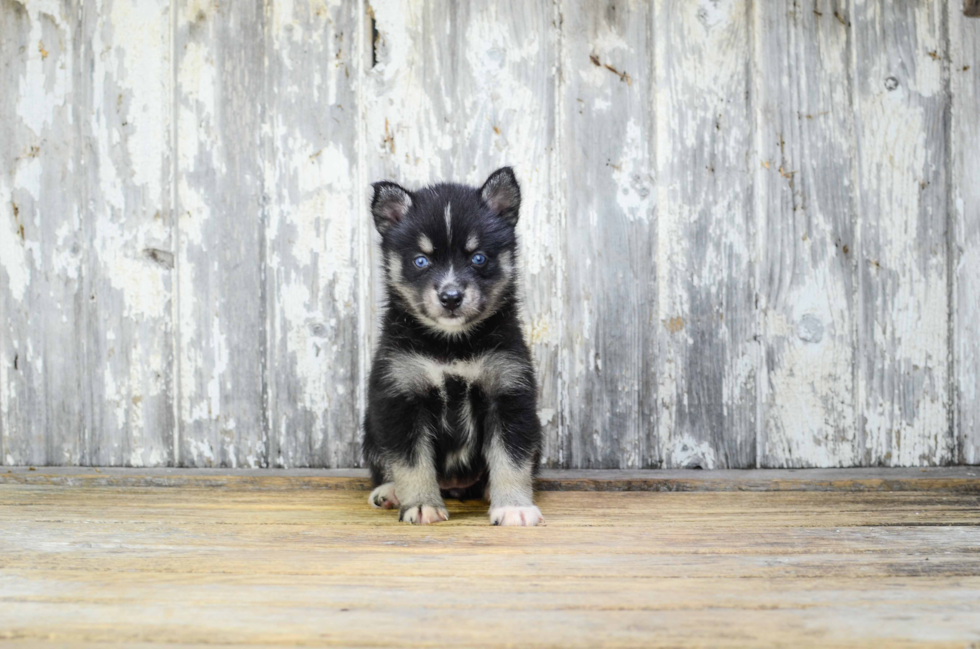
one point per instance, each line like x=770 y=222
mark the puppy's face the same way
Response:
x=449 y=250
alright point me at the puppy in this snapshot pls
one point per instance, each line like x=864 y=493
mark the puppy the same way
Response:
x=452 y=395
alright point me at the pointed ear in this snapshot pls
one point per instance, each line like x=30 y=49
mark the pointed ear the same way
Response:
x=389 y=205
x=502 y=194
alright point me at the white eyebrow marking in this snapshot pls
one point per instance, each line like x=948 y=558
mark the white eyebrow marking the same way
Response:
x=472 y=243
x=425 y=244
x=449 y=226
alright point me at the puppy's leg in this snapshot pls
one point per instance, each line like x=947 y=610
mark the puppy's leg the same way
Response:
x=510 y=452
x=418 y=489
x=383 y=496
x=398 y=448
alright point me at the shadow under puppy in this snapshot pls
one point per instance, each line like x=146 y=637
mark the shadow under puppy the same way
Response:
x=452 y=395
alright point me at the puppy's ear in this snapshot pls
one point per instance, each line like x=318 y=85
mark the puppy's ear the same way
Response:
x=502 y=194
x=389 y=205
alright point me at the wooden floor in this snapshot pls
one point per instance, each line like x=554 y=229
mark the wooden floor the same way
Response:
x=253 y=563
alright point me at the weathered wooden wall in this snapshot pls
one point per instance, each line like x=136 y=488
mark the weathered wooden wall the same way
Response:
x=751 y=234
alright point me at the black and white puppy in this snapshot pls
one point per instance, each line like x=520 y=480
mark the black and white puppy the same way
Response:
x=452 y=395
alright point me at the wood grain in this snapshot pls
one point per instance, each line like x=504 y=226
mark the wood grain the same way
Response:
x=807 y=205
x=901 y=126
x=42 y=301
x=964 y=262
x=312 y=266
x=85 y=351
x=456 y=91
x=610 y=234
x=126 y=220
x=222 y=214
x=708 y=352
x=184 y=566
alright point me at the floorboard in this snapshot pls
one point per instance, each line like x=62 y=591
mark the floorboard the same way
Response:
x=191 y=565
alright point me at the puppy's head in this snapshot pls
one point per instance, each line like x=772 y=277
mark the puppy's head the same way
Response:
x=449 y=250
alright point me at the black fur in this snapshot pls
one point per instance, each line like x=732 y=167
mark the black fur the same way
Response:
x=397 y=423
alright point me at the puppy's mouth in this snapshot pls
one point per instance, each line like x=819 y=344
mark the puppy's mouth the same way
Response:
x=456 y=320
x=451 y=318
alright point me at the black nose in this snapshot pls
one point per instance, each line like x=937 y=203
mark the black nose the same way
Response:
x=451 y=298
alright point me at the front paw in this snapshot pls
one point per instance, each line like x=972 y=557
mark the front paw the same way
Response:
x=423 y=514
x=384 y=497
x=516 y=516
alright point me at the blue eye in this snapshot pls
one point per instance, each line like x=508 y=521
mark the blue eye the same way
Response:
x=479 y=259
x=421 y=261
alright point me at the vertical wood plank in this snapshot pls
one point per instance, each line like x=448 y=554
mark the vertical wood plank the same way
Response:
x=901 y=125
x=312 y=266
x=41 y=242
x=86 y=357
x=964 y=37
x=806 y=199
x=125 y=95
x=708 y=325
x=458 y=90
x=220 y=85
x=607 y=160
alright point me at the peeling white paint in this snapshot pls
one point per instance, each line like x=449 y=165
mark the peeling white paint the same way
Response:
x=707 y=352
x=634 y=185
x=197 y=103
x=201 y=452
x=140 y=36
x=546 y=415
x=191 y=347
x=475 y=92
x=902 y=387
x=140 y=281
x=13 y=257
x=41 y=94
x=218 y=366
x=685 y=452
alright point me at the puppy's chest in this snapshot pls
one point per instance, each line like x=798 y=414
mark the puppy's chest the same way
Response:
x=489 y=374
x=464 y=388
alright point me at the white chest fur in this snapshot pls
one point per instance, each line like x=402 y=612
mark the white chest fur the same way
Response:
x=493 y=372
